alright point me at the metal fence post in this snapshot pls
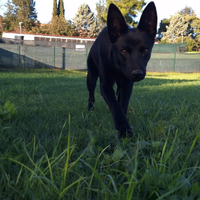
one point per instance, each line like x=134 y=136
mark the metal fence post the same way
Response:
x=19 y=54
x=174 y=62
x=63 y=58
x=86 y=55
x=54 y=56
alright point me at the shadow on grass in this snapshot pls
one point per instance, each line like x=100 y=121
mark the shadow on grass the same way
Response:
x=40 y=97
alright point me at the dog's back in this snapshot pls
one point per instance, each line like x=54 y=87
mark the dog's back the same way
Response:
x=101 y=49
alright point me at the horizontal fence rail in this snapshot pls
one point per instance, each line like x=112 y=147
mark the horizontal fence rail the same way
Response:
x=27 y=56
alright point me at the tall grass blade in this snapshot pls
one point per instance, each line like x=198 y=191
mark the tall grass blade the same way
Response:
x=192 y=147
x=67 y=156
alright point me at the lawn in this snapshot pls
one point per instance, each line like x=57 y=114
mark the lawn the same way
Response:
x=51 y=147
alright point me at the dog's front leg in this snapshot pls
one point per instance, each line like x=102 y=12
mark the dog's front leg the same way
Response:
x=124 y=90
x=120 y=120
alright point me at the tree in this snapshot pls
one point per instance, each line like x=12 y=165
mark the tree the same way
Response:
x=129 y=9
x=58 y=25
x=61 y=10
x=26 y=12
x=193 y=21
x=20 y=11
x=61 y=27
x=55 y=9
x=176 y=28
x=187 y=11
x=100 y=8
x=10 y=17
x=1 y=25
x=85 y=22
x=163 y=26
x=195 y=25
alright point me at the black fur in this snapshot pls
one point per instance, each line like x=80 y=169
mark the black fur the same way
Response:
x=120 y=55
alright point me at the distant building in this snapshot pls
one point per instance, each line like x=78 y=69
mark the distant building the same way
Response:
x=46 y=40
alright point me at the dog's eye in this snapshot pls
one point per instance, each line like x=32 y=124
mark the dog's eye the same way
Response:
x=124 y=52
x=145 y=51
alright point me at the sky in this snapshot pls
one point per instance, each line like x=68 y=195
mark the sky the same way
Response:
x=165 y=8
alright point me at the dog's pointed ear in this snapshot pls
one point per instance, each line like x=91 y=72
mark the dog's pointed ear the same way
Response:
x=148 y=21
x=116 y=23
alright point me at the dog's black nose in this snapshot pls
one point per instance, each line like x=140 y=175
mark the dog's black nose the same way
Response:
x=138 y=73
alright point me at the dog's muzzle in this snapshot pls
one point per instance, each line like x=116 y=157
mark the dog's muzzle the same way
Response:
x=138 y=75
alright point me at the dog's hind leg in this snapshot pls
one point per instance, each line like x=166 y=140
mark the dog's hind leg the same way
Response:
x=92 y=77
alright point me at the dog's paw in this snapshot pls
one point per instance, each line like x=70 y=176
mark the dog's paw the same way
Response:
x=90 y=107
x=128 y=133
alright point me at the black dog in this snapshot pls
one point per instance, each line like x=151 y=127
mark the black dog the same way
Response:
x=120 y=55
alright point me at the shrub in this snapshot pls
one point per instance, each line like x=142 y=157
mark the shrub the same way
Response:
x=190 y=44
x=189 y=41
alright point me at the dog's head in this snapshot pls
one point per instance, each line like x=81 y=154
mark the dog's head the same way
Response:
x=131 y=47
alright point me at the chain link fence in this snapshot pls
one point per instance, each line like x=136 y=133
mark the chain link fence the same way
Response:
x=18 y=55
x=163 y=58
x=173 y=58
x=174 y=62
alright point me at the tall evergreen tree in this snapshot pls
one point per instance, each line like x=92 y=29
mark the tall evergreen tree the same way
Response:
x=61 y=10
x=85 y=22
x=54 y=14
x=58 y=25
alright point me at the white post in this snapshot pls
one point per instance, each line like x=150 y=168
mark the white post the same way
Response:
x=182 y=35
x=20 y=26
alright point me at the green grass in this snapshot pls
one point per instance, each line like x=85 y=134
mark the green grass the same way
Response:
x=51 y=147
